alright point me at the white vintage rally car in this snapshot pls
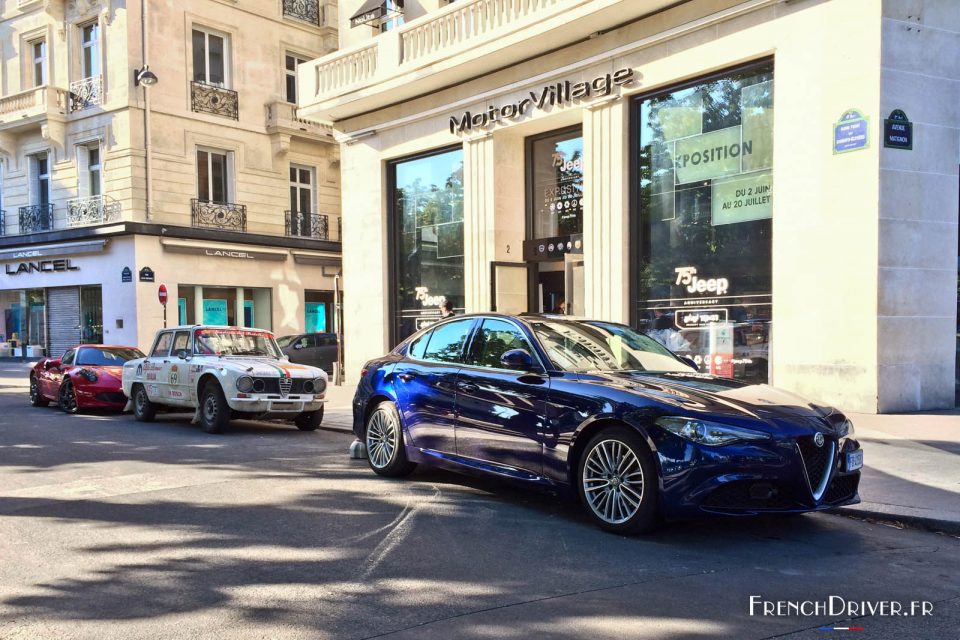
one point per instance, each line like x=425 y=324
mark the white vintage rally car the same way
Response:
x=223 y=373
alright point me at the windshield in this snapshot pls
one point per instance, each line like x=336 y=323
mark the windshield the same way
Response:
x=603 y=346
x=235 y=342
x=107 y=357
x=285 y=340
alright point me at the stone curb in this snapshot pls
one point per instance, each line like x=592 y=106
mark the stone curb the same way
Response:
x=914 y=518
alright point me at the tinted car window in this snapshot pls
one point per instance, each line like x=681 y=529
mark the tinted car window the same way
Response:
x=418 y=346
x=495 y=338
x=285 y=341
x=327 y=341
x=112 y=357
x=446 y=341
x=67 y=358
x=162 y=347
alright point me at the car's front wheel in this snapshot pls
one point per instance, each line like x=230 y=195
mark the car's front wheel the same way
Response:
x=383 y=438
x=618 y=482
x=67 y=398
x=36 y=399
x=143 y=409
x=214 y=410
x=309 y=420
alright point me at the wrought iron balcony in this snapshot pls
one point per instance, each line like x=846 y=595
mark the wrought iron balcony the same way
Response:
x=306 y=10
x=86 y=93
x=36 y=217
x=92 y=210
x=303 y=224
x=209 y=98
x=218 y=215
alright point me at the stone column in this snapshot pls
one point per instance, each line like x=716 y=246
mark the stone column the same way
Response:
x=478 y=221
x=238 y=307
x=606 y=210
x=198 y=304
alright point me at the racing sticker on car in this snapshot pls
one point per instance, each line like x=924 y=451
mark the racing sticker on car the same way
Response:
x=174 y=377
x=140 y=370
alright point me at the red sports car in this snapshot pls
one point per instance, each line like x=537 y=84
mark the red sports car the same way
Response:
x=86 y=377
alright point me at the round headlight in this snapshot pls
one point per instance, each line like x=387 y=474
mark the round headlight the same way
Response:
x=319 y=385
x=308 y=386
x=245 y=384
x=259 y=386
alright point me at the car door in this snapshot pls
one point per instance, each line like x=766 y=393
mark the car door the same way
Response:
x=178 y=378
x=500 y=411
x=155 y=368
x=426 y=385
x=326 y=352
x=51 y=378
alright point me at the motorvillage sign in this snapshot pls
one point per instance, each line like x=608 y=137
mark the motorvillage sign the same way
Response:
x=552 y=95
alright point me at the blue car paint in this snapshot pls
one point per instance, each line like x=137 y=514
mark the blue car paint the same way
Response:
x=531 y=432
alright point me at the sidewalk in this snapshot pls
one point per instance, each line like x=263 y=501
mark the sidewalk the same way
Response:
x=911 y=461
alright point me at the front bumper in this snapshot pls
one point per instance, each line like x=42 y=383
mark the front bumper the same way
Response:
x=292 y=405
x=744 y=479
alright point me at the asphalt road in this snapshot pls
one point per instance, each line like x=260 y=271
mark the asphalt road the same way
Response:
x=114 y=529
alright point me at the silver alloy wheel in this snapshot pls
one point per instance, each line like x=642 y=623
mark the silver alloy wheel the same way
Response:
x=140 y=397
x=613 y=481
x=382 y=438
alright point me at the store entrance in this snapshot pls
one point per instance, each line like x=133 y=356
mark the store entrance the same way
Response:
x=558 y=286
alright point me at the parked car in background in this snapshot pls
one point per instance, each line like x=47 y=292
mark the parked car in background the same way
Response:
x=605 y=412
x=314 y=349
x=88 y=376
x=224 y=373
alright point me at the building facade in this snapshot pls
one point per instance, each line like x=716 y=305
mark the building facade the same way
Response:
x=146 y=143
x=767 y=186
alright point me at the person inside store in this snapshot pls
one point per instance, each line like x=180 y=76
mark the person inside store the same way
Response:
x=446 y=308
x=561 y=307
x=660 y=319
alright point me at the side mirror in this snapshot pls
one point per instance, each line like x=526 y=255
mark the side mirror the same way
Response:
x=519 y=359
x=51 y=364
x=183 y=354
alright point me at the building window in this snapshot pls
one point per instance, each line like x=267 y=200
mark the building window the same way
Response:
x=39 y=62
x=210 y=58
x=225 y=305
x=89 y=174
x=290 y=75
x=40 y=164
x=426 y=204
x=705 y=156
x=90 y=50
x=556 y=168
x=213 y=176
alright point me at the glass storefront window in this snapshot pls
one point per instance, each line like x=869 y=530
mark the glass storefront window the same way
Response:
x=556 y=165
x=91 y=314
x=427 y=203
x=705 y=206
x=23 y=320
x=218 y=306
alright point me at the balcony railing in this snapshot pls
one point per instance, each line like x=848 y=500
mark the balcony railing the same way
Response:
x=352 y=67
x=218 y=215
x=208 y=98
x=282 y=117
x=26 y=106
x=302 y=224
x=92 y=210
x=306 y=10
x=86 y=93
x=36 y=217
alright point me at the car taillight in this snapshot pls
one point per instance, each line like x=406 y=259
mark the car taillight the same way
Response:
x=363 y=372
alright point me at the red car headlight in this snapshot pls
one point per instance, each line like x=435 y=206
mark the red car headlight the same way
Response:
x=88 y=375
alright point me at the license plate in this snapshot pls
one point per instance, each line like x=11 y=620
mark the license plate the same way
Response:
x=854 y=460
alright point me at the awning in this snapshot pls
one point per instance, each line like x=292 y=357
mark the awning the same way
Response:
x=373 y=12
x=44 y=251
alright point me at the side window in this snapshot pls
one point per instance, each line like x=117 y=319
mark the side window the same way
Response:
x=68 y=357
x=327 y=341
x=418 y=346
x=446 y=341
x=162 y=345
x=181 y=341
x=495 y=338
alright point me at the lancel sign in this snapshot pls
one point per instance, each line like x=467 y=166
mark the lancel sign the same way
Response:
x=41 y=266
x=559 y=94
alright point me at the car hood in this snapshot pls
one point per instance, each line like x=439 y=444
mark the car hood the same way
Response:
x=263 y=368
x=719 y=396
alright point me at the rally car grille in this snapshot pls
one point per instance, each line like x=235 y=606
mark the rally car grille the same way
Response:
x=817 y=461
x=280 y=386
x=286 y=384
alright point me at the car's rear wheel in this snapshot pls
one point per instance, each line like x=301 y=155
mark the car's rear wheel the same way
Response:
x=618 y=482
x=383 y=438
x=143 y=409
x=309 y=420
x=67 y=398
x=214 y=410
x=36 y=399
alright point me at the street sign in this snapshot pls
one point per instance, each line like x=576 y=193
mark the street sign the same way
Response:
x=146 y=275
x=898 y=131
x=851 y=132
x=162 y=294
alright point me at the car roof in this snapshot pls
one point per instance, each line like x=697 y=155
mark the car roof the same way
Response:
x=102 y=346
x=187 y=327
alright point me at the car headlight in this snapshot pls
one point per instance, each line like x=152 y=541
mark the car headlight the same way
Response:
x=846 y=429
x=709 y=433
x=88 y=375
x=245 y=384
x=319 y=385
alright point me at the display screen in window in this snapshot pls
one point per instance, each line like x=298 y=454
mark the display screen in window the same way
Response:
x=557 y=184
x=427 y=202
x=706 y=198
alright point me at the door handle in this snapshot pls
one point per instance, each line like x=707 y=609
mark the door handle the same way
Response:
x=467 y=387
x=532 y=379
x=406 y=377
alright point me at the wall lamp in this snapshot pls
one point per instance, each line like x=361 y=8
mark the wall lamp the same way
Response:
x=144 y=77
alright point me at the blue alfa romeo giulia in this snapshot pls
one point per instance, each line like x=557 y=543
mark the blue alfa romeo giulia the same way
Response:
x=604 y=411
